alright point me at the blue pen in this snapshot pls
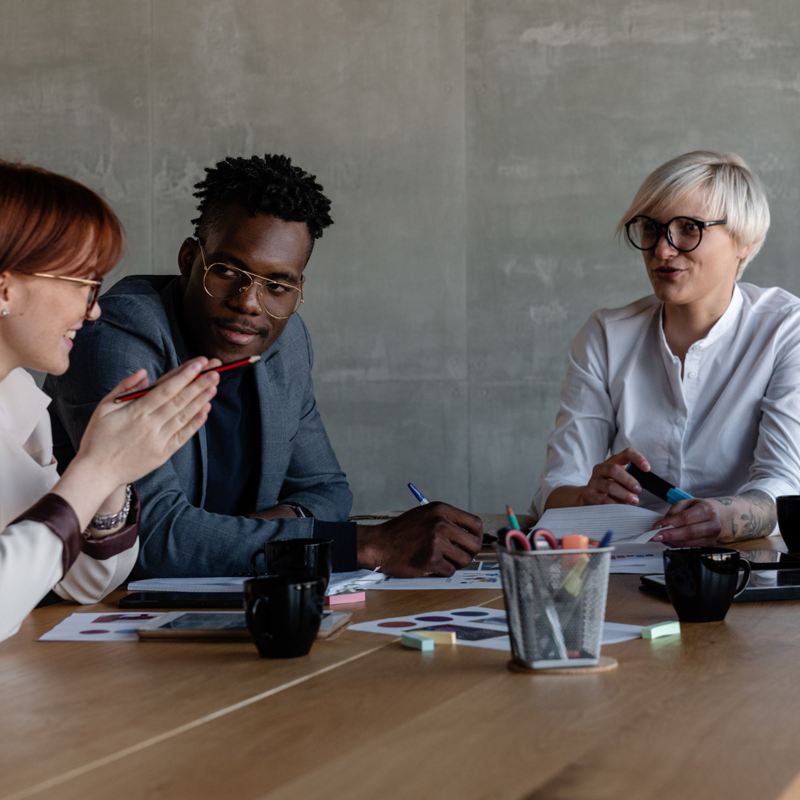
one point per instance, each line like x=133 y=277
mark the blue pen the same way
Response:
x=421 y=499
x=606 y=540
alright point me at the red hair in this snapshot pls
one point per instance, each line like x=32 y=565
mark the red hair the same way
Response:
x=50 y=223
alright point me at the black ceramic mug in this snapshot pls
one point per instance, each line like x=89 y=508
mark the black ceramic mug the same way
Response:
x=789 y=521
x=295 y=558
x=283 y=614
x=702 y=581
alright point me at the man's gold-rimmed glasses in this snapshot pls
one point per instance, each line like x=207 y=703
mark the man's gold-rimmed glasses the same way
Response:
x=220 y=280
x=94 y=287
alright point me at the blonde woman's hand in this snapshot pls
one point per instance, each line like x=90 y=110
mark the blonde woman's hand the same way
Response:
x=611 y=483
x=127 y=440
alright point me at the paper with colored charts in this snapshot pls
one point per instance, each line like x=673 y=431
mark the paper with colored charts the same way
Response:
x=112 y=626
x=476 y=627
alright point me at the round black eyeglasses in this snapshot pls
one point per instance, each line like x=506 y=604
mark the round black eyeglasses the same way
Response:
x=684 y=234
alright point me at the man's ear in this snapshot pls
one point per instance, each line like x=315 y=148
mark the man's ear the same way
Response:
x=187 y=256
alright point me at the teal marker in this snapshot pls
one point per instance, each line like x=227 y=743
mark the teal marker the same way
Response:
x=512 y=519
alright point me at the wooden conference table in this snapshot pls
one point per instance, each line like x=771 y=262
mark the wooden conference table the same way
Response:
x=711 y=714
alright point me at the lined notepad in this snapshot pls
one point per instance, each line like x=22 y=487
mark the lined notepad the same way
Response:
x=630 y=524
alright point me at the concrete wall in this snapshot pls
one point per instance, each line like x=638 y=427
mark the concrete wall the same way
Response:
x=478 y=155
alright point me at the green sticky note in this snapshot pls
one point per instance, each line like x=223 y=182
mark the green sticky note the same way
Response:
x=661 y=629
x=417 y=642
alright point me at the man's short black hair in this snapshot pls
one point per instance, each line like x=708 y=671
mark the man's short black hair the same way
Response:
x=269 y=185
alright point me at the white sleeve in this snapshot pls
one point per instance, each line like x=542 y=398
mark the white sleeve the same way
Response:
x=776 y=460
x=30 y=563
x=586 y=421
x=89 y=579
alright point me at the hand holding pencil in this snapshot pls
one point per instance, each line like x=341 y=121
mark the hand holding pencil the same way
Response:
x=124 y=441
x=216 y=366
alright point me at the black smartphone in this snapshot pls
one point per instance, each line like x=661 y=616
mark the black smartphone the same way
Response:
x=182 y=600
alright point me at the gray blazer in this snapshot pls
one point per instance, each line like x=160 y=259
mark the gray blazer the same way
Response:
x=138 y=328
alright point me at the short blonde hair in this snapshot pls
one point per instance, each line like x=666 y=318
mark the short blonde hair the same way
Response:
x=731 y=190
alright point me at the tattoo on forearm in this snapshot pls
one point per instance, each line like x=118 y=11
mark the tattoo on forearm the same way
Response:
x=758 y=516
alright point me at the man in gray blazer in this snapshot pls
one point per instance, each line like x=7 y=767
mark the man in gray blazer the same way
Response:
x=262 y=467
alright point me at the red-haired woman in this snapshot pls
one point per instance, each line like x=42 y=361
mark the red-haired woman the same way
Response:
x=76 y=533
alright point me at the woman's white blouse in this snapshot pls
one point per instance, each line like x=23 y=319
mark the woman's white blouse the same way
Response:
x=729 y=423
x=30 y=553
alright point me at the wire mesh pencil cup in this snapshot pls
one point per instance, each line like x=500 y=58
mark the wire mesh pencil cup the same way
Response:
x=556 y=604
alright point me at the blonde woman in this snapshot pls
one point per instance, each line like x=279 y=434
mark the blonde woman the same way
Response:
x=76 y=533
x=697 y=382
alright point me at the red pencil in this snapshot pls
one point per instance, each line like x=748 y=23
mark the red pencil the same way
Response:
x=242 y=362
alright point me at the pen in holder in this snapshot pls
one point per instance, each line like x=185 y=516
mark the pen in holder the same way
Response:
x=556 y=603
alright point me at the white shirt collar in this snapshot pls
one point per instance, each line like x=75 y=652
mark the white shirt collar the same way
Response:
x=727 y=320
x=720 y=327
x=22 y=404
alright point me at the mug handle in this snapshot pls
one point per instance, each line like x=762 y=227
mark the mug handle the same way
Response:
x=254 y=563
x=745 y=565
x=251 y=610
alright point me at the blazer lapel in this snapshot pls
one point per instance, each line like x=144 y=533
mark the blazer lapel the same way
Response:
x=170 y=297
x=271 y=387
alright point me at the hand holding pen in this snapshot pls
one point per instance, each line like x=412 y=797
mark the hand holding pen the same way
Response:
x=126 y=441
x=141 y=388
x=612 y=483
x=689 y=521
x=432 y=539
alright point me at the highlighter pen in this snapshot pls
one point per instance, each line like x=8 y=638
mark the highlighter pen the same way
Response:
x=512 y=519
x=421 y=499
x=658 y=486
x=242 y=362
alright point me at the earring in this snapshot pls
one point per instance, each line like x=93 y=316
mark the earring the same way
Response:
x=4 y=312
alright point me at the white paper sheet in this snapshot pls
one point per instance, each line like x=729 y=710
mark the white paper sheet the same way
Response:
x=112 y=626
x=121 y=626
x=629 y=523
x=637 y=559
x=340 y=583
x=220 y=584
x=462 y=579
x=477 y=622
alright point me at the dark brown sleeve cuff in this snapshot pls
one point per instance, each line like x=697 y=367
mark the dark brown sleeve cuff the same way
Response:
x=55 y=512
x=118 y=542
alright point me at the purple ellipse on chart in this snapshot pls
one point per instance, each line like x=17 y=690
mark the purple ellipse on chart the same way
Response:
x=89 y=633
x=396 y=624
x=435 y=618
x=470 y=613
